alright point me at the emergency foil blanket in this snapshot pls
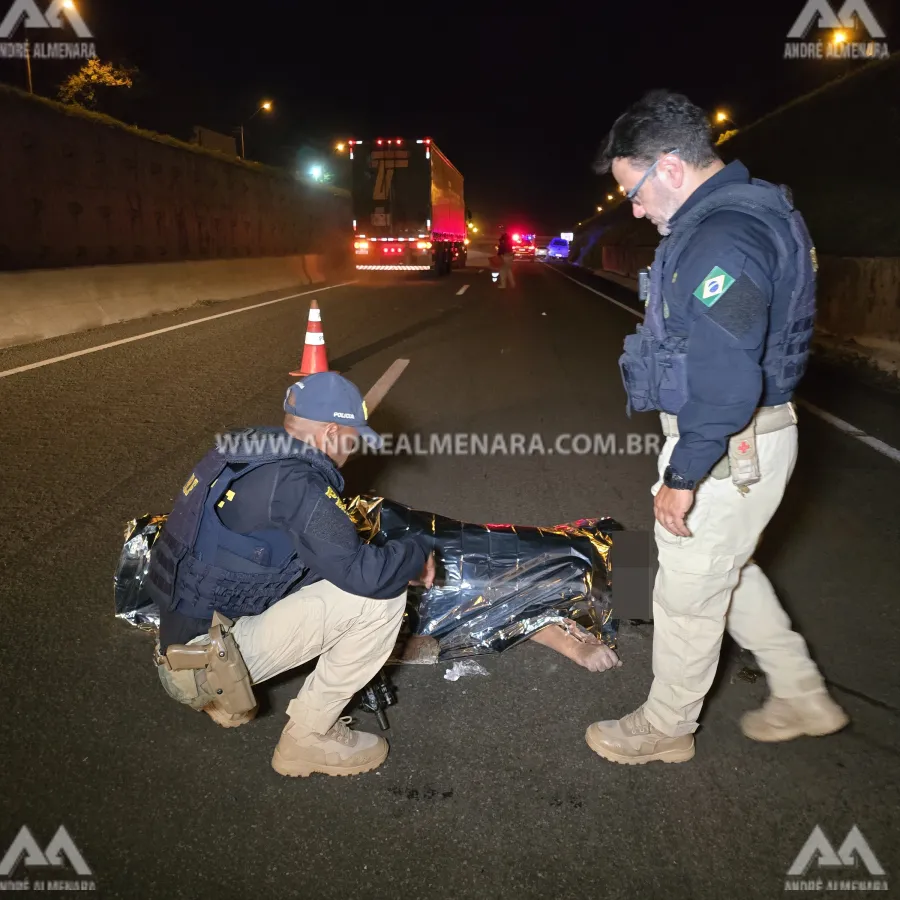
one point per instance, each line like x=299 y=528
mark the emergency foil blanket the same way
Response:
x=495 y=585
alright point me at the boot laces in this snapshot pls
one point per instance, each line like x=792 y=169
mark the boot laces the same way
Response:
x=340 y=731
x=636 y=722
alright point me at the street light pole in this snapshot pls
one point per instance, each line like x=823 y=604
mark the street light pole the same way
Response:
x=28 y=65
x=267 y=105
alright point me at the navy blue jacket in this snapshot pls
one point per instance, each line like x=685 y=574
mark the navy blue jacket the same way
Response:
x=307 y=505
x=727 y=339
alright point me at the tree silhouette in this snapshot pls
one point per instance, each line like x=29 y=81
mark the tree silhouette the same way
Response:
x=82 y=88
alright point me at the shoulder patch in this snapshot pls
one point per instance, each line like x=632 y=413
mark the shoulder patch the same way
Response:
x=330 y=524
x=713 y=286
x=330 y=492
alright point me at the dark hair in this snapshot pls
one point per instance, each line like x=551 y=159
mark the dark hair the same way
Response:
x=659 y=122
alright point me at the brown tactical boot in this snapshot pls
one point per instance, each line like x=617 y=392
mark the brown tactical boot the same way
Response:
x=339 y=751
x=814 y=715
x=632 y=741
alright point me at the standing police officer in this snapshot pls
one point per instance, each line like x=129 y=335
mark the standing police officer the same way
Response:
x=730 y=305
x=259 y=569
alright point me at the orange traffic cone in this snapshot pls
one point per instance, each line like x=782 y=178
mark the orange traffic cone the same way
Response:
x=315 y=358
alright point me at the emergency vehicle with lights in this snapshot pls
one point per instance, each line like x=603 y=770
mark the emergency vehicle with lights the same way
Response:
x=409 y=212
x=523 y=246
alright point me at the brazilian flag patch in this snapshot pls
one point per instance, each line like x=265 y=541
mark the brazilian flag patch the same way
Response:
x=713 y=286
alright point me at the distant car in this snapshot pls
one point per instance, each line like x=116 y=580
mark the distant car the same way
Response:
x=558 y=249
x=541 y=250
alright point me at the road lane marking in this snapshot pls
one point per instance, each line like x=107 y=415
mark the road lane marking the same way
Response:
x=140 y=337
x=852 y=430
x=587 y=287
x=845 y=427
x=462 y=290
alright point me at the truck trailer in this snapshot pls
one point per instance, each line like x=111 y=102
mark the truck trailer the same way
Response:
x=409 y=212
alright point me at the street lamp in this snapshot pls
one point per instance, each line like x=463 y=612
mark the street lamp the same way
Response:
x=609 y=197
x=599 y=209
x=265 y=105
x=340 y=147
x=722 y=116
x=316 y=172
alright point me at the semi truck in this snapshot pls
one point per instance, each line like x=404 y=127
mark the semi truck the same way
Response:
x=409 y=211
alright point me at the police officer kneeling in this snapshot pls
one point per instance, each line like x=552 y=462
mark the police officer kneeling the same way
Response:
x=729 y=318
x=260 y=569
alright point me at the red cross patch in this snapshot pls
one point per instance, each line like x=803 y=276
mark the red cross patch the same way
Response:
x=743 y=447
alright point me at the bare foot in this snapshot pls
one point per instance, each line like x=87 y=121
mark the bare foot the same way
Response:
x=595 y=658
x=419 y=650
x=591 y=655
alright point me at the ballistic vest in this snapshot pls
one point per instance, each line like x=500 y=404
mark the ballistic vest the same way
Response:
x=654 y=364
x=186 y=573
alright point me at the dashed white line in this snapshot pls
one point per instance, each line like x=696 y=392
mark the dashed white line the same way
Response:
x=845 y=427
x=147 y=334
x=462 y=290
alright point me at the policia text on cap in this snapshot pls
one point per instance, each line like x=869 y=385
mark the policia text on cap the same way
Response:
x=730 y=304
x=259 y=569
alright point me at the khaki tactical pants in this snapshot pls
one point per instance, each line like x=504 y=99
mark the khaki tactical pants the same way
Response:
x=352 y=637
x=506 y=272
x=709 y=582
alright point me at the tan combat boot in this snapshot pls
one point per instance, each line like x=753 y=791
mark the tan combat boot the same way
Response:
x=632 y=741
x=814 y=715
x=339 y=751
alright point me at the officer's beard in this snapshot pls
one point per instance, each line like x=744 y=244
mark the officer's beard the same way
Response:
x=669 y=204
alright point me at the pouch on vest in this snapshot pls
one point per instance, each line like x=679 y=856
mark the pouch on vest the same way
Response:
x=669 y=371
x=635 y=367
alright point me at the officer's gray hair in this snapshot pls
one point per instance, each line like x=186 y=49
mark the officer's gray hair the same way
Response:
x=658 y=123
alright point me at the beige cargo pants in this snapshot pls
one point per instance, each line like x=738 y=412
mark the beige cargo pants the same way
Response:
x=709 y=582
x=352 y=637
x=506 y=271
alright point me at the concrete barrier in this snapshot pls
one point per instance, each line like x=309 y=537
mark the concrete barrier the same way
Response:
x=859 y=297
x=45 y=303
x=626 y=261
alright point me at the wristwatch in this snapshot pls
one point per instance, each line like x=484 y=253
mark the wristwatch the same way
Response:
x=671 y=479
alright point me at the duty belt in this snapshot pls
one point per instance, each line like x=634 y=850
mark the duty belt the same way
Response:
x=766 y=419
x=741 y=460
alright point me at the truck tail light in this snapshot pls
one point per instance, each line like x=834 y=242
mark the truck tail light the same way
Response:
x=423 y=245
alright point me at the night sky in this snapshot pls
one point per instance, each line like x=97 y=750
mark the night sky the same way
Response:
x=519 y=102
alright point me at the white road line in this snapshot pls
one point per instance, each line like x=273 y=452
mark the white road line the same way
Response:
x=462 y=290
x=852 y=430
x=140 y=337
x=848 y=429
x=624 y=306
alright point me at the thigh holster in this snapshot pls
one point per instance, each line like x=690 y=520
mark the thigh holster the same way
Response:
x=227 y=679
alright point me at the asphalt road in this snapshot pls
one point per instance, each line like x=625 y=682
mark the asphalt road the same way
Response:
x=490 y=789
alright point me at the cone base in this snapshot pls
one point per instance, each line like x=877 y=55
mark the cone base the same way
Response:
x=316 y=372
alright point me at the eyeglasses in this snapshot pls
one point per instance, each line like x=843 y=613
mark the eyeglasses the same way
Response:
x=633 y=192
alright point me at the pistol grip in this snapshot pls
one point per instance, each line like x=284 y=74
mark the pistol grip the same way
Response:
x=181 y=656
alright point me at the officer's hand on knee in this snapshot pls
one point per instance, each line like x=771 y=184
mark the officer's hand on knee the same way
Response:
x=670 y=507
